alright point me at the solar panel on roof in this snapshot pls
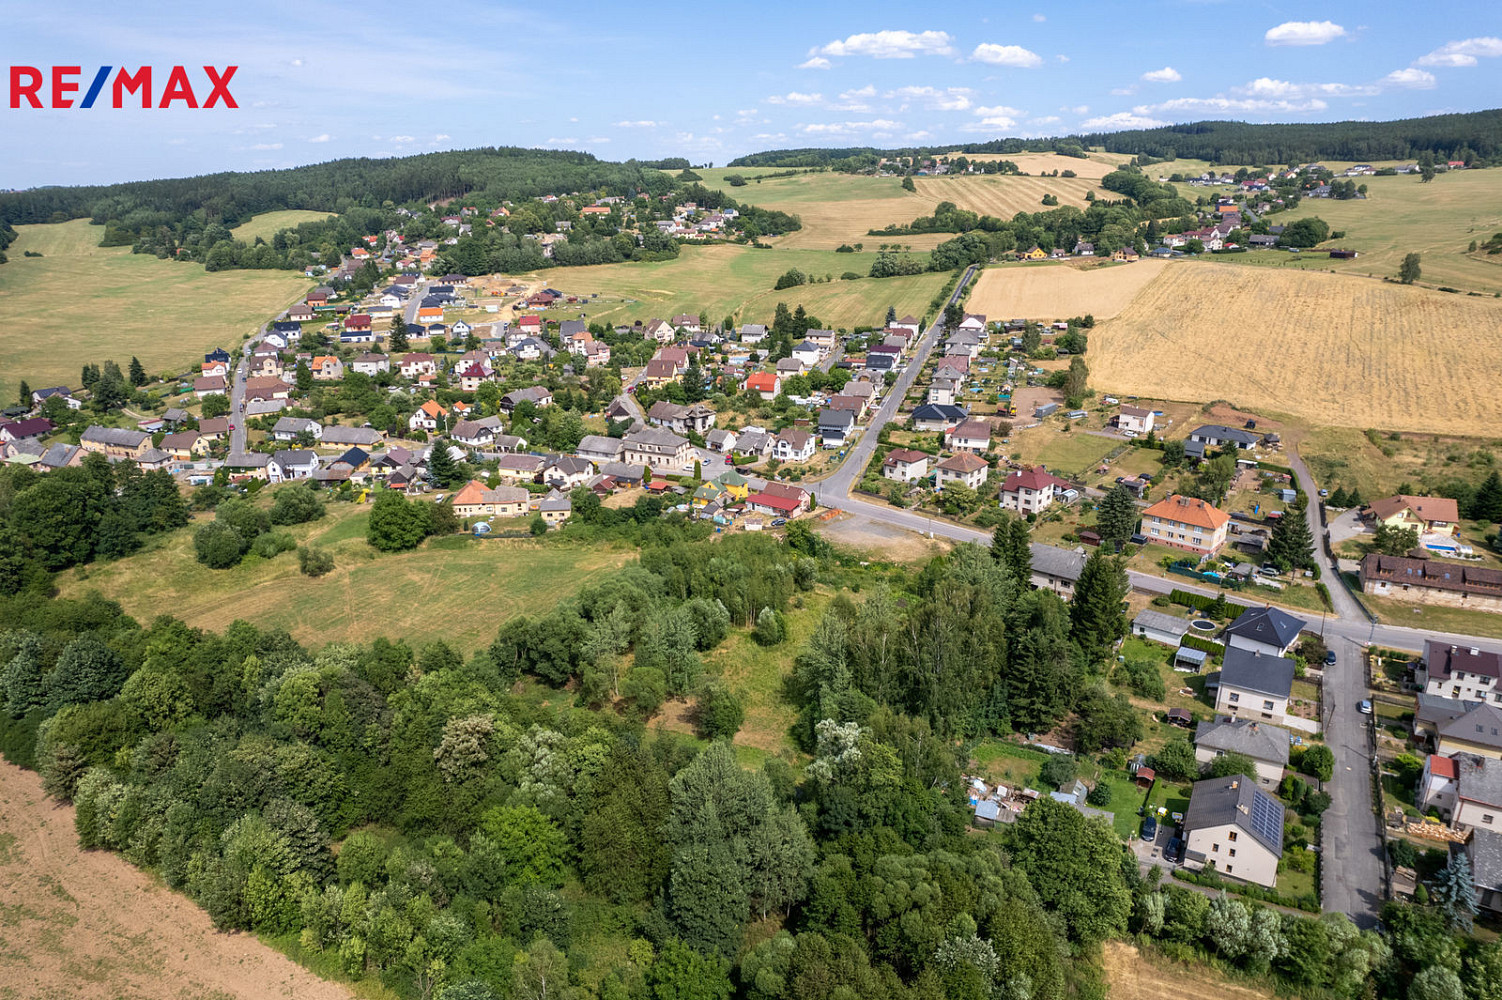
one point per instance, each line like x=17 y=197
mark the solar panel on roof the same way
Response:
x=1267 y=819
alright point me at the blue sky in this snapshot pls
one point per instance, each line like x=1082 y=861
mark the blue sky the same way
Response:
x=320 y=81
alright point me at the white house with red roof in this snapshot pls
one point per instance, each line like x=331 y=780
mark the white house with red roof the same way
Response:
x=1029 y=491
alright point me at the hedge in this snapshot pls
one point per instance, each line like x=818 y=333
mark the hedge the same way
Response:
x=1198 y=602
x=1203 y=645
x=1210 y=879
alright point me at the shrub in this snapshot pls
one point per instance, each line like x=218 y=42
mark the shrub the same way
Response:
x=272 y=544
x=1058 y=769
x=1100 y=795
x=769 y=630
x=314 y=562
x=720 y=711
x=296 y=504
x=218 y=545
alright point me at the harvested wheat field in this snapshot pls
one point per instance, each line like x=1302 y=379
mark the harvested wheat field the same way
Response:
x=79 y=925
x=1095 y=166
x=1058 y=291
x=1132 y=978
x=1004 y=195
x=1334 y=349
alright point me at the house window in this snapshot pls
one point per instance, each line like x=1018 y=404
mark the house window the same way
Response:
x=1486 y=818
x=1232 y=837
x=1235 y=696
x=1214 y=848
x=1267 y=705
x=1229 y=869
x=1232 y=852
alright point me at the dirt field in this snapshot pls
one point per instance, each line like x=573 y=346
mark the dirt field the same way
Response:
x=1333 y=349
x=1058 y=291
x=1093 y=168
x=78 y=925
x=882 y=541
x=1132 y=978
x=1004 y=195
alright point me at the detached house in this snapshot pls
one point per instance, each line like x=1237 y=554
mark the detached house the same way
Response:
x=1426 y=515
x=904 y=465
x=427 y=417
x=793 y=444
x=414 y=365
x=371 y=364
x=1464 y=673
x=115 y=442
x=964 y=469
x=1135 y=419
x=289 y=465
x=537 y=395
x=1235 y=826
x=1186 y=523
x=767 y=384
x=835 y=427
x=1254 y=685
x=326 y=368
x=1266 y=744
x=973 y=436
x=1267 y=630
x=291 y=428
x=659 y=449
x=475 y=499
x=695 y=417
x=1029 y=491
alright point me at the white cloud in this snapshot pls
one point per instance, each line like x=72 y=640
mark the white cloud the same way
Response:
x=569 y=141
x=999 y=109
x=918 y=136
x=793 y=97
x=1417 y=79
x=1266 y=87
x=1076 y=109
x=321 y=138
x=1165 y=75
x=846 y=128
x=1039 y=18
x=441 y=136
x=1304 y=33
x=817 y=62
x=889 y=45
x=1463 y=53
x=267 y=145
x=932 y=98
x=1217 y=105
x=297 y=62
x=596 y=139
x=1045 y=120
x=1121 y=120
x=770 y=135
x=1006 y=55
x=644 y=123
x=1123 y=91
x=868 y=90
x=402 y=138
x=573 y=119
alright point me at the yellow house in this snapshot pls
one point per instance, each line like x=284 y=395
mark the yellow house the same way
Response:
x=1427 y=515
x=734 y=484
x=1036 y=253
x=706 y=495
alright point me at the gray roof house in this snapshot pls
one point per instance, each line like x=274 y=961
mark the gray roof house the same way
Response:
x=1484 y=850
x=1235 y=825
x=363 y=437
x=1265 y=744
x=1158 y=627
x=288 y=428
x=599 y=448
x=1056 y=569
x=1268 y=630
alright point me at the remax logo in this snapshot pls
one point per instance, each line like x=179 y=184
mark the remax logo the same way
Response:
x=27 y=85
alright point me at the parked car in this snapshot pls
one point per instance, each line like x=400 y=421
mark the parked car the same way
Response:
x=1174 y=851
x=1150 y=829
x=779 y=522
x=1365 y=708
x=1329 y=657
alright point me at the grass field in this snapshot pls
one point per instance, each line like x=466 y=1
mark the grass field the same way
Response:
x=725 y=279
x=1069 y=454
x=1134 y=976
x=843 y=208
x=80 y=302
x=268 y=224
x=460 y=593
x=86 y=925
x=1331 y=349
x=1346 y=456
x=1058 y=291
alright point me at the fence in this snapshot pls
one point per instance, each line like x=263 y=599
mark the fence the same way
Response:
x=1211 y=578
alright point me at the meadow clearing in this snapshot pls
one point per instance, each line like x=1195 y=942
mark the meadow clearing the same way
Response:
x=1328 y=349
x=408 y=595
x=1134 y=978
x=87 y=925
x=81 y=302
x=268 y=224
x=1047 y=291
x=724 y=279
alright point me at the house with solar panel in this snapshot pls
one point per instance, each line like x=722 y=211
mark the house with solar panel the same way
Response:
x=1235 y=826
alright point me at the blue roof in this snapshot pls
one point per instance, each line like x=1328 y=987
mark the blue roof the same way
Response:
x=987 y=809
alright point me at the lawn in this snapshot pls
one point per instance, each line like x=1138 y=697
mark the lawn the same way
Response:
x=1071 y=454
x=84 y=303
x=268 y=224
x=1439 y=619
x=1000 y=762
x=461 y=593
x=1126 y=799
x=1376 y=463
x=724 y=279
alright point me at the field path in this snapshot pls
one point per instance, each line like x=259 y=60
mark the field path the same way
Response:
x=86 y=925
x=1133 y=978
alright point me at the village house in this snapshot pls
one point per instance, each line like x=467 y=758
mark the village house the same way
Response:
x=362 y=437
x=599 y=448
x=288 y=465
x=1254 y=685
x=1029 y=491
x=211 y=385
x=291 y=428
x=472 y=434
x=475 y=499
x=416 y=364
x=250 y=465
x=1430 y=581
x=326 y=368
x=115 y=442
x=1155 y=626
x=661 y=331
x=1464 y=673
x=904 y=465
x=659 y=372
x=184 y=446
x=941 y=391
x=1266 y=630
x=836 y=426
x=564 y=472
x=1466 y=789
x=1426 y=515
x=935 y=417
x=1266 y=744
x=1055 y=569
x=1134 y=419
x=519 y=467
x=554 y=509
x=537 y=395
x=696 y=417
x=973 y=436
x=721 y=439
x=964 y=469
x=1235 y=826
x=752 y=333
x=1218 y=436
x=778 y=500
x=1186 y=523
x=371 y=363
x=427 y=417
x=767 y=384
x=659 y=449
x=793 y=444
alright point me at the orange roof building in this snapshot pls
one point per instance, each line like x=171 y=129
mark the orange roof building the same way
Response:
x=1186 y=523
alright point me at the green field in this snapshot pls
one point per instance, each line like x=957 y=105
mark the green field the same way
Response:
x=460 y=594
x=724 y=280
x=1067 y=454
x=80 y=302
x=269 y=223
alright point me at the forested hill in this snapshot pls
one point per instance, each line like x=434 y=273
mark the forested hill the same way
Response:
x=336 y=186
x=1469 y=136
